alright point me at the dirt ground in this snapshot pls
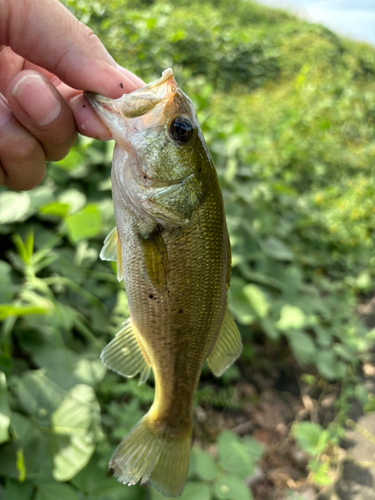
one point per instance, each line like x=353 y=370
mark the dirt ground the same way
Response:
x=274 y=399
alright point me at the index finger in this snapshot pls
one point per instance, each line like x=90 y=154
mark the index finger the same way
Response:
x=48 y=35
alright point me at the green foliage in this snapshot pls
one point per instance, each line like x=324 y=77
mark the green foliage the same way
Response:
x=287 y=109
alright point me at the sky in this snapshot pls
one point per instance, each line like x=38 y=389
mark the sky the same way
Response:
x=352 y=18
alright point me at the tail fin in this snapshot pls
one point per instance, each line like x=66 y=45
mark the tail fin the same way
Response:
x=160 y=456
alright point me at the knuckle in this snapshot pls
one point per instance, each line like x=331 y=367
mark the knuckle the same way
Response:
x=87 y=31
x=26 y=150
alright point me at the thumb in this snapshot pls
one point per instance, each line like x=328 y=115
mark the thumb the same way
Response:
x=48 y=35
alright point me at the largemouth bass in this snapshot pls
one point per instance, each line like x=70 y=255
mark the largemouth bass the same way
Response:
x=172 y=249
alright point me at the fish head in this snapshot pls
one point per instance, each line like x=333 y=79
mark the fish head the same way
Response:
x=160 y=150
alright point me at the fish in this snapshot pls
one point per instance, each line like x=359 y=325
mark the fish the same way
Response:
x=172 y=249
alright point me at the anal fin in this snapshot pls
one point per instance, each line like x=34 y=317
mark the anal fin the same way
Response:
x=125 y=355
x=227 y=348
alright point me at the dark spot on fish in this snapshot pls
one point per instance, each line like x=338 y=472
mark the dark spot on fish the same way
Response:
x=181 y=311
x=84 y=106
x=151 y=296
x=200 y=170
x=121 y=85
x=145 y=176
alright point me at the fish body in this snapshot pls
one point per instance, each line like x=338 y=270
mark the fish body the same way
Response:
x=172 y=249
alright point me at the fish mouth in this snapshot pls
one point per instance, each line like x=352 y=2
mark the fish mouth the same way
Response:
x=137 y=103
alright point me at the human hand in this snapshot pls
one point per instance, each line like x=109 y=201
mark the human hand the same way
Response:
x=47 y=58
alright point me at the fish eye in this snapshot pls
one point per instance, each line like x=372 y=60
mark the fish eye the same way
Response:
x=181 y=129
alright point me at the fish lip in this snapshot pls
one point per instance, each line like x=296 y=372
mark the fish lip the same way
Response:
x=165 y=76
x=100 y=101
x=114 y=105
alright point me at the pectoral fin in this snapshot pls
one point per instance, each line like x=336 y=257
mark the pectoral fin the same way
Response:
x=125 y=354
x=112 y=251
x=227 y=348
x=156 y=259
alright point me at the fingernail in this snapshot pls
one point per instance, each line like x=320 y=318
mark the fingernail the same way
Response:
x=37 y=100
x=5 y=112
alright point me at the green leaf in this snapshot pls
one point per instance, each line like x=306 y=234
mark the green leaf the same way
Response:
x=276 y=249
x=254 y=447
x=311 y=437
x=321 y=473
x=15 y=490
x=20 y=464
x=75 y=425
x=303 y=346
x=54 y=491
x=234 y=456
x=72 y=161
x=257 y=300
x=5 y=412
x=291 y=317
x=329 y=366
x=55 y=208
x=238 y=302
x=39 y=395
x=70 y=454
x=6 y=286
x=77 y=412
x=90 y=372
x=84 y=224
x=231 y=487
x=13 y=206
x=39 y=196
x=205 y=466
x=10 y=310
x=74 y=199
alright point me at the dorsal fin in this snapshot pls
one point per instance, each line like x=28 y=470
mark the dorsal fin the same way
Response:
x=125 y=354
x=227 y=348
x=112 y=251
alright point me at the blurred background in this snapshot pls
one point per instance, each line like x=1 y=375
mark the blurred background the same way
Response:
x=288 y=111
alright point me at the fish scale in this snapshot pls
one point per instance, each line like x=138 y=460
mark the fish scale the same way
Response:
x=172 y=249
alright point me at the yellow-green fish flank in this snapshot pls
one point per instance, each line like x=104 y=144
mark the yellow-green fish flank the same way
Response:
x=172 y=249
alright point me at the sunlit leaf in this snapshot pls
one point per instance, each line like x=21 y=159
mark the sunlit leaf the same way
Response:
x=13 y=206
x=311 y=437
x=291 y=317
x=4 y=410
x=75 y=425
x=257 y=299
x=84 y=224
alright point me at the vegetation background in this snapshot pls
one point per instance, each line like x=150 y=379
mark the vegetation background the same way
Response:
x=288 y=111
